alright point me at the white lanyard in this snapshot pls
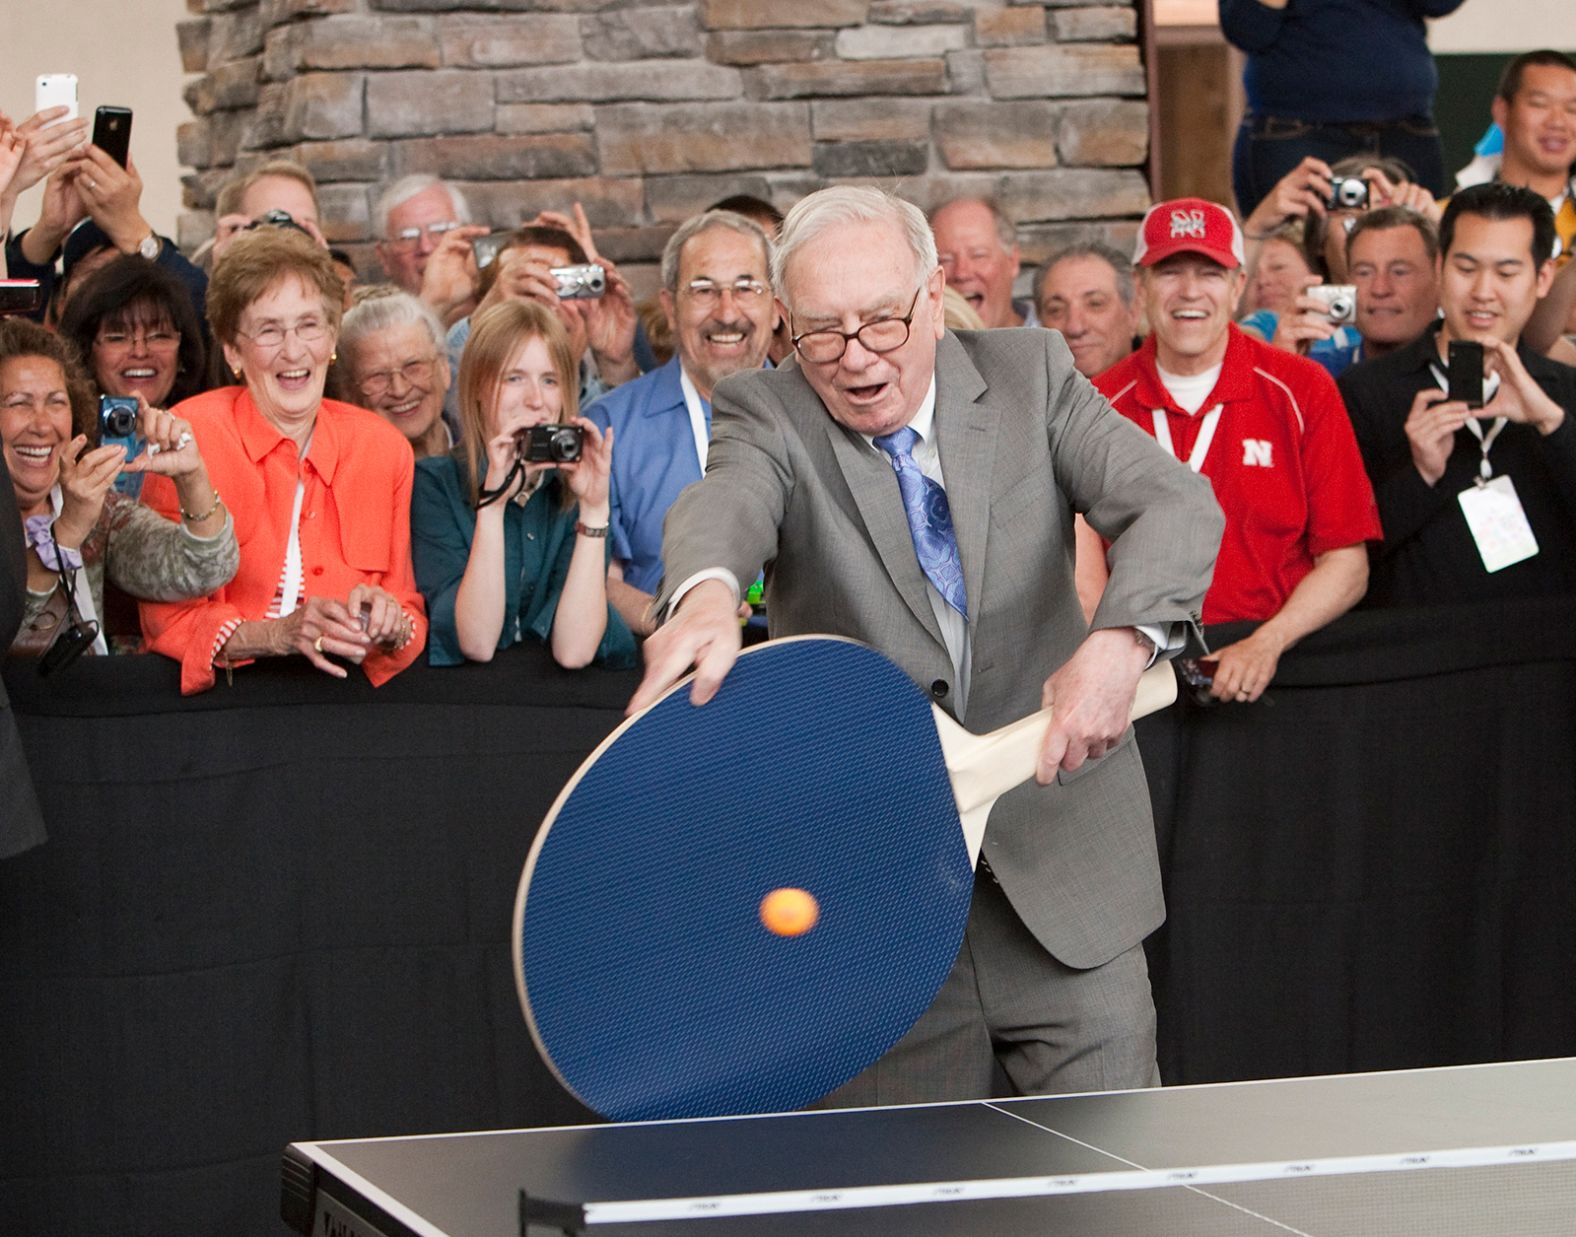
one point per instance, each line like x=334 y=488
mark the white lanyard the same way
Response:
x=1206 y=435
x=290 y=587
x=1474 y=427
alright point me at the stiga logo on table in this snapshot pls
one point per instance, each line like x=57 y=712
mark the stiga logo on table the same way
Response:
x=1189 y=223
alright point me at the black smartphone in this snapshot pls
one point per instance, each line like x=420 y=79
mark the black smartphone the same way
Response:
x=112 y=132
x=1466 y=372
x=18 y=296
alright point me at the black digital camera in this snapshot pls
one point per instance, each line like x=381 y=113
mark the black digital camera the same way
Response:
x=74 y=640
x=276 y=219
x=551 y=444
x=117 y=416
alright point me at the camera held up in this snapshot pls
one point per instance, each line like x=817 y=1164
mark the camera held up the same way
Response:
x=550 y=444
x=1348 y=193
x=117 y=416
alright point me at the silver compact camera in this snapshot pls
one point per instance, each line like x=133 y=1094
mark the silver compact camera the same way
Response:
x=1348 y=193
x=486 y=247
x=1339 y=300
x=580 y=283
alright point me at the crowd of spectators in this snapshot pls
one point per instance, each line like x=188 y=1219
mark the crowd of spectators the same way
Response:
x=358 y=471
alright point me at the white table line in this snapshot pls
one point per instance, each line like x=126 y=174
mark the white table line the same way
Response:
x=1214 y=1198
x=782 y=1202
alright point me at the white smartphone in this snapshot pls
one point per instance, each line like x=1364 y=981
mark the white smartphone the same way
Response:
x=55 y=89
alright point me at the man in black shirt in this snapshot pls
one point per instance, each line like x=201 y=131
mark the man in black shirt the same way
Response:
x=1476 y=503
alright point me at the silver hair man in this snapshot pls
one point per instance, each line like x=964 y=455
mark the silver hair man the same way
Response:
x=844 y=204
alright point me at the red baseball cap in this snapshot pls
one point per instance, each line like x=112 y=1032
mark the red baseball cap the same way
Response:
x=1189 y=225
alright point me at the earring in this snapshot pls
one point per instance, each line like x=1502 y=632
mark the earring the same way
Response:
x=333 y=356
x=238 y=374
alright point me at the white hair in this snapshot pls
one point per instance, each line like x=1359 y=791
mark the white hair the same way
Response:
x=844 y=204
x=383 y=308
x=407 y=187
x=705 y=222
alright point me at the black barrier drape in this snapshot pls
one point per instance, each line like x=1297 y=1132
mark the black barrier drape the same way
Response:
x=275 y=911
x=280 y=910
x=1375 y=868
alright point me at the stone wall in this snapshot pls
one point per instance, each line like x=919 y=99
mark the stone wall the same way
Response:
x=646 y=111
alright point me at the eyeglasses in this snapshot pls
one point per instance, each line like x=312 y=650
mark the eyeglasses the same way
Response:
x=882 y=335
x=708 y=292
x=273 y=335
x=415 y=373
x=153 y=341
x=407 y=239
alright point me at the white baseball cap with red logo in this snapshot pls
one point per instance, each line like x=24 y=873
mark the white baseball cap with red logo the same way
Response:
x=1189 y=225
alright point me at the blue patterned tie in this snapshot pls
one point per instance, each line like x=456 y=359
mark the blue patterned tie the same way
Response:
x=929 y=519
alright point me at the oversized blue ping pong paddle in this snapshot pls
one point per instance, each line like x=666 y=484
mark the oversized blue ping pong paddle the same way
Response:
x=649 y=981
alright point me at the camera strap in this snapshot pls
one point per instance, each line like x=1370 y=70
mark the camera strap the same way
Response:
x=527 y=486
x=79 y=601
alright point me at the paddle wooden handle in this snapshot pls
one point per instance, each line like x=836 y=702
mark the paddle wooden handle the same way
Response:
x=985 y=767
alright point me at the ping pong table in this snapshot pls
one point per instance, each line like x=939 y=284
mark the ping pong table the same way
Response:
x=1480 y=1150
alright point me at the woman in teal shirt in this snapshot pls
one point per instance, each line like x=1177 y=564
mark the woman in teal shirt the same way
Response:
x=524 y=552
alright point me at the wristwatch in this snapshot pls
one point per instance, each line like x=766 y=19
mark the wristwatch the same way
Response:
x=150 y=246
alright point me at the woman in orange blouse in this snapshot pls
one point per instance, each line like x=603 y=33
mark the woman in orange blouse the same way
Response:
x=319 y=490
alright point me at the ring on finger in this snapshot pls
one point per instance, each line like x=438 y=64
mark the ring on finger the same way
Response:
x=318 y=644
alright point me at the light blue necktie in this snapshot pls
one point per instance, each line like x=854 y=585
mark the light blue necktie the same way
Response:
x=929 y=519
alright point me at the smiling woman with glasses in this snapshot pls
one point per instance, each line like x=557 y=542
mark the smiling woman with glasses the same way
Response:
x=134 y=324
x=392 y=361
x=320 y=489
x=82 y=532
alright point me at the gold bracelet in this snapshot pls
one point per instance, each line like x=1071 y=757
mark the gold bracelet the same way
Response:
x=206 y=515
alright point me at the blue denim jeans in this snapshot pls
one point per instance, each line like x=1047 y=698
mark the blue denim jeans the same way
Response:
x=1268 y=147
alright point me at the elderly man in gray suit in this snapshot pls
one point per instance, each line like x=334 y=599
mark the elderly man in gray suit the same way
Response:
x=915 y=489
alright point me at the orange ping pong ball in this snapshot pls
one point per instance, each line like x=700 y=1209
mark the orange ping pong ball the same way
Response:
x=789 y=911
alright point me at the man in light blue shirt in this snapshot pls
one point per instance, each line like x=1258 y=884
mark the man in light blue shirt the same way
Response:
x=717 y=295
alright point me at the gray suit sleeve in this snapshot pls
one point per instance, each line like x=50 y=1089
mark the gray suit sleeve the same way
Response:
x=730 y=517
x=1161 y=518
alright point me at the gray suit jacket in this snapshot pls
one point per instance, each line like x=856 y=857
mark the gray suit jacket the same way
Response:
x=1025 y=441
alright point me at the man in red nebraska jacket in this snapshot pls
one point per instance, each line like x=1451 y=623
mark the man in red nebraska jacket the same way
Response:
x=1266 y=427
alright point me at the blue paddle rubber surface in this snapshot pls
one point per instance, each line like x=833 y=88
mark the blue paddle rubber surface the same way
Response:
x=650 y=980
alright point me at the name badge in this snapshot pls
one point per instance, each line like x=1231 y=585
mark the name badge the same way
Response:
x=1497 y=523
